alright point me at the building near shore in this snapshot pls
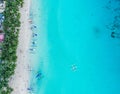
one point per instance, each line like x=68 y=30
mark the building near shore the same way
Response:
x=2 y=6
x=1 y=37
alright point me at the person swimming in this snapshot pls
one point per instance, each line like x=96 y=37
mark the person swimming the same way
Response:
x=113 y=34
x=34 y=42
x=33 y=27
x=73 y=67
x=38 y=75
x=34 y=35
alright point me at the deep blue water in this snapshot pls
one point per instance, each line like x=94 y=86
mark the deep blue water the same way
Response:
x=76 y=33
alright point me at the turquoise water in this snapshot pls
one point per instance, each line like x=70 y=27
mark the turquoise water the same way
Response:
x=75 y=34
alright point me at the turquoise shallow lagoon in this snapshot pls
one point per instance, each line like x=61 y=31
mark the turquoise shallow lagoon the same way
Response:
x=75 y=52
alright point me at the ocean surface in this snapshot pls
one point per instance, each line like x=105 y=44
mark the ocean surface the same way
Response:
x=73 y=50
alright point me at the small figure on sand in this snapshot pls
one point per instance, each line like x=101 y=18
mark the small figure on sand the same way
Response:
x=30 y=21
x=29 y=68
x=115 y=35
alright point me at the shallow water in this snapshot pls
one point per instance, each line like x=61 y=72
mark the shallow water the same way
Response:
x=75 y=51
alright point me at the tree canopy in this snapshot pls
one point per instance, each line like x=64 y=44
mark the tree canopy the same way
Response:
x=11 y=26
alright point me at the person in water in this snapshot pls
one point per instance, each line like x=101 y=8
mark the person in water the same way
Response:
x=39 y=75
x=30 y=88
x=73 y=67
x=34 y=42
x=113 y=34
x=34 y=35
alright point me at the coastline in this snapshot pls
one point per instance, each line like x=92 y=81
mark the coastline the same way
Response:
x=20 y=80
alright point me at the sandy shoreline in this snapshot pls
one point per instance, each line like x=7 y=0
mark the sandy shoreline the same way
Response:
x=20 y=80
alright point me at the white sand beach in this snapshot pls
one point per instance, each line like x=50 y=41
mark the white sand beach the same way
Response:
x=20 y=80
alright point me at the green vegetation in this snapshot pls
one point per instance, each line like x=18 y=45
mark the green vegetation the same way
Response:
x=11 y=27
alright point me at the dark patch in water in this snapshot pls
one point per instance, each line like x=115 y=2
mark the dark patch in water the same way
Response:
x=114 y=26
x=96 y=31
x=115 y=35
